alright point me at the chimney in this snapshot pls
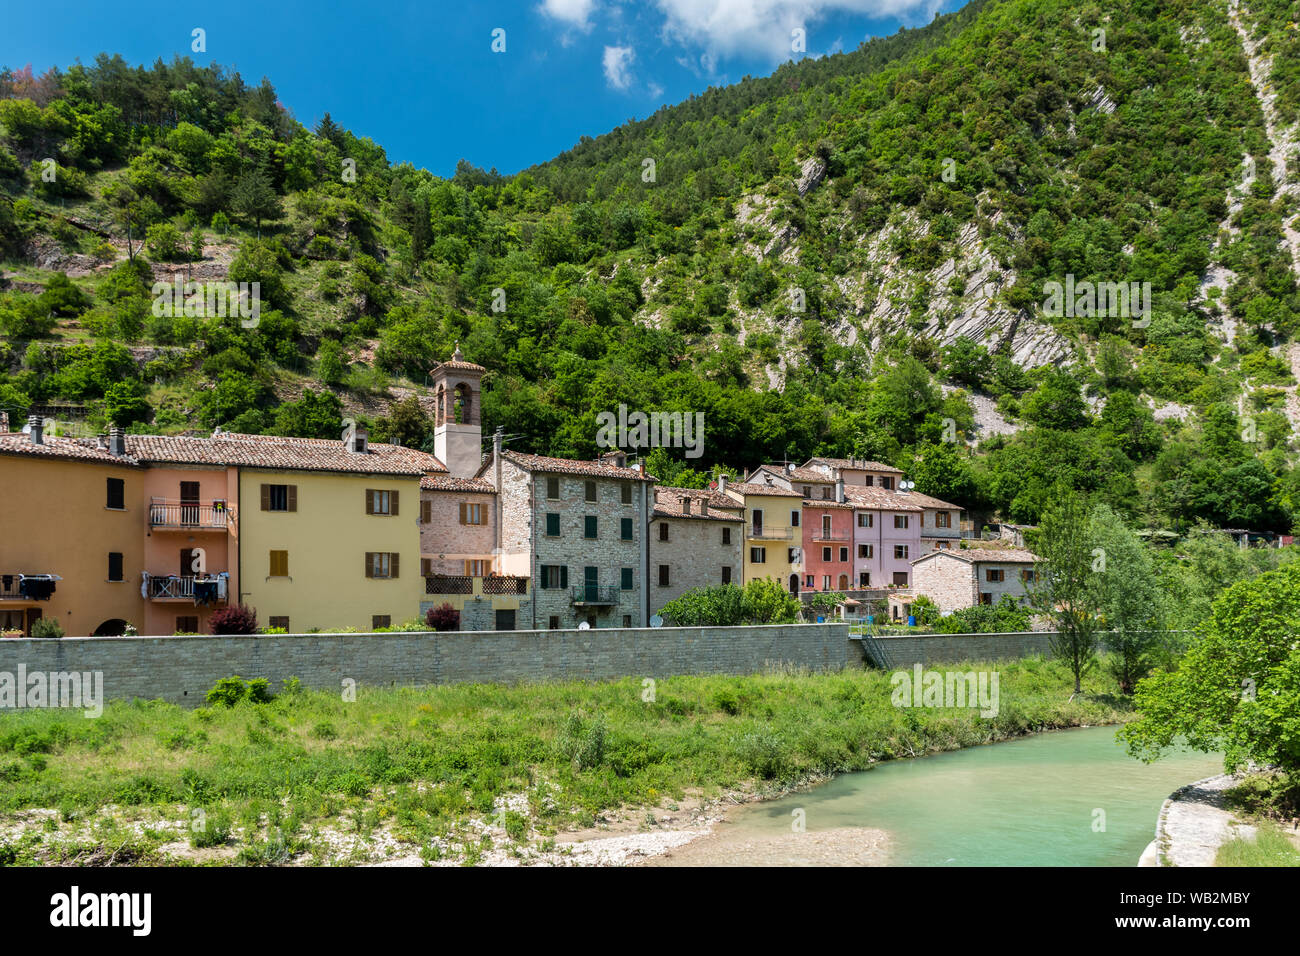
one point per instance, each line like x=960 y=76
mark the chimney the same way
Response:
x=34 y=429
x=686 y=504
x=117 y=441
x=839 y=490
x=722 y=483
x=4 y=421
x=356 y=440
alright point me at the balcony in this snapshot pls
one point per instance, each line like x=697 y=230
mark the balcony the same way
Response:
x=27 y=586
x=181 y=587
x=831 y=536
x=466 y=584
x=758 y=533
x=166 y=514
x=591 y=594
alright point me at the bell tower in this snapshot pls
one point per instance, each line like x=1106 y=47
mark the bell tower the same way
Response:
x=458 y=425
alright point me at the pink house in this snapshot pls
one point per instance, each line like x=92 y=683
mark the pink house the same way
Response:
x=886 y=537
x=827 y=545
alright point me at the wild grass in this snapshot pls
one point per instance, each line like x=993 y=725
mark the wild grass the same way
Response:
x=1269 y=847
x=422 y=761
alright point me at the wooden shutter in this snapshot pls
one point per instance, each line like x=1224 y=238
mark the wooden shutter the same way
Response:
x=426 y=512
x=393 y=501
x=394 y=562
x=370 y=564
x=546 y=575
x=564 y=575
x=462 y=512
x=293 y=497
x=266 y=497
x=370 y=501
x=426 y=567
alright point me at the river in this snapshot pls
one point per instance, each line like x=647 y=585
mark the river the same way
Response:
x=1065 y=798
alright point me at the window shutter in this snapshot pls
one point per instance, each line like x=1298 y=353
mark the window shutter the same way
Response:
x=426 y=565
x=293 y=497
x=426 y=512
x=394 y=562
x=564 y=575
x=546 y=575
x=266 y=497
x=462 y=512
x=394 y=500
x=370 y=501
x=370 y=564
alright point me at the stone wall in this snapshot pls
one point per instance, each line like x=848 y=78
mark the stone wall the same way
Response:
x=695 y=556
x=445 y=542
x=183 y=669
x=909 y=649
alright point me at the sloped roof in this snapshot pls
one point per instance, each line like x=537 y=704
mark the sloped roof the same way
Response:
x=668 y=504
x=980 y=555
x=568 y=466
x=880 y=499
x=752 y=488
x=925 y=501
x=290 y=454
x=856 y=464
x=448 y=483
x=796 y=474
x=71 y=449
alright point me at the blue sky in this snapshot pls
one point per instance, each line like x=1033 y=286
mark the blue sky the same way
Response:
x=422 y=80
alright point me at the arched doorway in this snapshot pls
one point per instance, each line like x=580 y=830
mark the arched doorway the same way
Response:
x=114 y=627
x=844 y=582
x=794 y=584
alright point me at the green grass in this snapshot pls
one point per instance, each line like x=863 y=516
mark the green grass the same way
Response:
x=1270 y=847
x=422 y=762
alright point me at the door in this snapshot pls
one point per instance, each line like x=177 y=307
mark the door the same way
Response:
x=590 y=583
x=187 y=562
x=506 y=620
x=189 y=502
x=33 y=615
x=758 y=524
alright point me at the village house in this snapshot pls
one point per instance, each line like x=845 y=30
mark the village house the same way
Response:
x=696 y=540
x=886 y=537
x=855 y=472
x=828 y=543
x=961 y=578
x=773 y=529
x=943 y=525
x=577 y=530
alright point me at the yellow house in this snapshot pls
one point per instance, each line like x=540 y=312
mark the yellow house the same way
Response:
x=71 y=549
x=329 y=531
x=773 y=537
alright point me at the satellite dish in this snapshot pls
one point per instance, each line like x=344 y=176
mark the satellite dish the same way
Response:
x=656 y=621
x=584 y=626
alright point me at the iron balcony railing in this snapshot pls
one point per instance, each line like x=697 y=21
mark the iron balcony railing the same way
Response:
x=831 y=536
x=39 y=587
x=168 y=513
x=166 y=587
x=595 y=594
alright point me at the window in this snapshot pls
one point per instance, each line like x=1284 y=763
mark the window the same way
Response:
x=625 y=529
x=808 y=582
x=627 y=620
x=664 y=576
x=279 y=564
x=900 y=521
x=663 y=531
x=115 y=566
x=826 y=493
x=986 y=597
x=826 y=554
x=1027 y=575
x=794 y=519
x=554 y=576
x=553 y=488
x=887 y=482
x=475 y=567
x=869 y=481
x=189 y=624
x=866 y=551
x=426 y=567
x=590 y=490
x=379 y=502
x=726 y=536
x=116 y=494
x=382 y=564
x=900 y=578
x=626 y=492
x=589 y=526
x=807 y=491
x=552 y=524
x=826 y=526
x=864 y=579
x=942 y=519
x=993 y=575
x=279 y=497
x=505 y=619
x=426 y=511
x=625 y=579
x=726 y=574
x=943 y=545
x=900 y=552
x=826 y=582
x=865 y=519
x=758 y=555
x=281 y=621
x=554 y=622
x=380 y=620
x=844 y=554
x=471 y=513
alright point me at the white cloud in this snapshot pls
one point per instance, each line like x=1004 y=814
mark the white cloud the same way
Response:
x=727 y=27
x=618 y=66
x=576 y=13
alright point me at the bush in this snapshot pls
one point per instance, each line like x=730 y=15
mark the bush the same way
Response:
x=236 y=619
x=443 y=618
x=47 y=627
x=583 y=742
x=229 y=691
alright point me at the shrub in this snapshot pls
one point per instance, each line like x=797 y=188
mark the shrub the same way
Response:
x=583 y=742
x=443 y=618
x=236 y=619
x=47 y=627
x=229 y=691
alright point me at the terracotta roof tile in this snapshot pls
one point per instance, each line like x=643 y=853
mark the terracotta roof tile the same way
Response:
x=73 y=449
x=668 y=504
x=857 y=464
x=879 y=498
x=290 y=454
x=999 y=555
x=569 y=466
x=752 y=488
x=448 y=483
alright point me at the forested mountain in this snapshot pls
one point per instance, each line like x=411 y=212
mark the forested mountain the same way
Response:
x=850 y=256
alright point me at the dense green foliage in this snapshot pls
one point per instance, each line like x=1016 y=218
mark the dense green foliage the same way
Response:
x=580 y=284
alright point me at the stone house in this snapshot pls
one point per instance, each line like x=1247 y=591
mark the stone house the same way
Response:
x=962 y=578
x=578 y=531
x=941 y=522
x=696 y=540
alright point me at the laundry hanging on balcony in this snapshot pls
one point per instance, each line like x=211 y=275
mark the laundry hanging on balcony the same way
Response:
x=37 y=587
x=208 y=590
x=144 y=585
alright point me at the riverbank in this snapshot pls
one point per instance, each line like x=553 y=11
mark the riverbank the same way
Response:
x=1198 y=822
x=474 y=774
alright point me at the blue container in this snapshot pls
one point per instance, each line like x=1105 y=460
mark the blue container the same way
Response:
x=911 y=620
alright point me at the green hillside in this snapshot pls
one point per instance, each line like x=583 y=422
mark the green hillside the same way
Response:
x=913 y=197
